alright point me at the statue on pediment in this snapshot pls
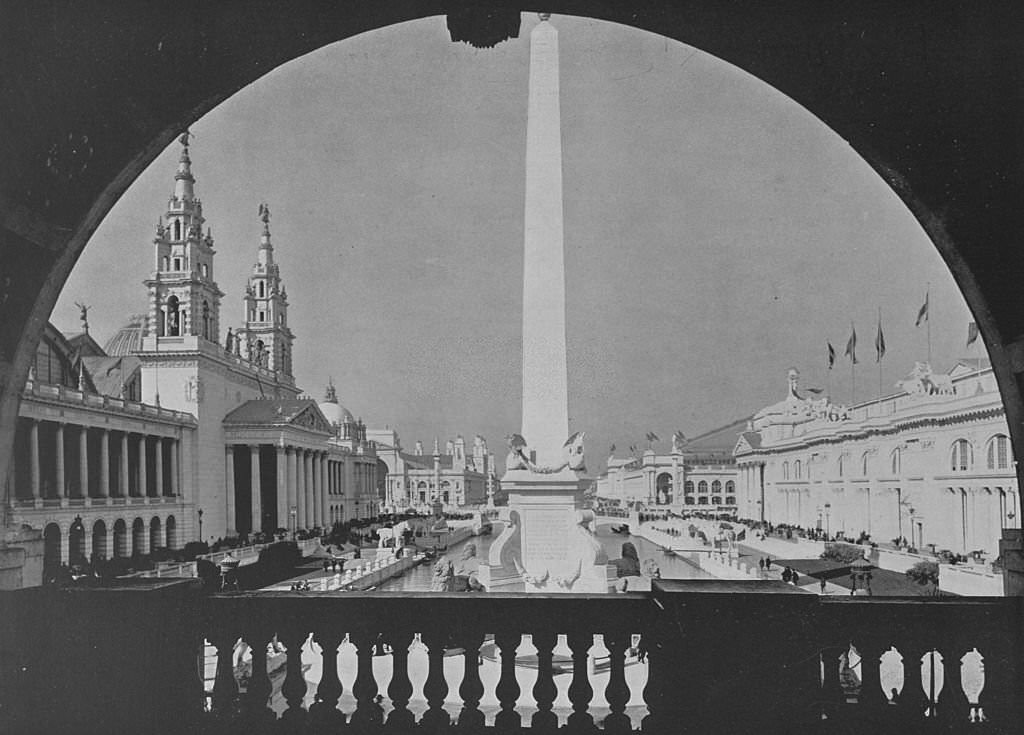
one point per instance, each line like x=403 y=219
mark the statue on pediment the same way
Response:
x=923 y=381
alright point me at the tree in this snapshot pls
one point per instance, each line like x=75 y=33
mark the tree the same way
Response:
x=925 y=573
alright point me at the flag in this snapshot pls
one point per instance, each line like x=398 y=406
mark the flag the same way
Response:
x=851 y=345
x=972 y=333
x=815 y=391
x=831 y=355
x=652 y=437
x=922 y=313
x=632 y=448
x=879 y=342
x=612 y=450
x=679 y=437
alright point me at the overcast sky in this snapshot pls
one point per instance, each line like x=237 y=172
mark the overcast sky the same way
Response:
x=716 y=234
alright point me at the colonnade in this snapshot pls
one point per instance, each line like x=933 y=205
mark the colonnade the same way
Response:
x=125 y=464
x=306 y=481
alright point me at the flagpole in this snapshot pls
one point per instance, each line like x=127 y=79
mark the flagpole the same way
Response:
x=853 y=364
x=878 y=350
x=928 y=319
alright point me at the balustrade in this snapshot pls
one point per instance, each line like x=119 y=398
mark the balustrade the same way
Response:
x=701 y=662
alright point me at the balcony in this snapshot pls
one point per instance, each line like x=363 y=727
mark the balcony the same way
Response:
x=125 y=660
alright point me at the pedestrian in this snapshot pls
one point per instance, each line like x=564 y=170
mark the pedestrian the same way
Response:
x=768 y=563
x=821 y=583
x=786 y=575
x=760 y=563
x=794 y=578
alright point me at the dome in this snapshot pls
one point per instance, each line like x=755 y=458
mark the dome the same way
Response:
x=128 y=339
x=335 y=413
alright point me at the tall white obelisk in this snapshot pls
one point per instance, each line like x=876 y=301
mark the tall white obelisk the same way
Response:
x=545 y=375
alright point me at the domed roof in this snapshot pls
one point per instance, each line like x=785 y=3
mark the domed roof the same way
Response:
x=334 y=412
x=128 y=339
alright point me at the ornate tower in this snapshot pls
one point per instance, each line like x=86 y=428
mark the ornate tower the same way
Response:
x=184 y=300
x=266 y=339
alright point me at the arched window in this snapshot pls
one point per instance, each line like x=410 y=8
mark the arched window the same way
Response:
x=206 y=270
x=167 y=263
x=716 y=487
x=702 y=488
x=797 y=470
x=864 y=464
x=688 y=487
x=839 y=466
x=785 y=470
x=960 y=457
x=173 y=317
x=261 y=289
x=177 y=229
x=730 y=488
x=894 y=461
x=997 y=453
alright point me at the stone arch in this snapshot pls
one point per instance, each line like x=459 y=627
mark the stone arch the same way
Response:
x=171 y=530
x=663 y=485
x=122 y=548
x=51 y=548
x=99 y=539
x=138 y=537
x=76 y=542
x=948 y=167
x=156 y=536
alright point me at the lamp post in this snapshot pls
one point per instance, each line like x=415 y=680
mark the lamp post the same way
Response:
x=292 y=513
x=828 y=530
x=199 y=513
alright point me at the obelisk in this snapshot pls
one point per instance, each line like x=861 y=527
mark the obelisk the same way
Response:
x=545 y=375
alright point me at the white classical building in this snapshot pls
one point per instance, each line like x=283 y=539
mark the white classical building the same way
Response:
x=930 y=464
x=455 y=479
x=698 y=474
x=168 y=434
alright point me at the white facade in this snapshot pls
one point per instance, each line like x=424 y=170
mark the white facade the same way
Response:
x=931 y=464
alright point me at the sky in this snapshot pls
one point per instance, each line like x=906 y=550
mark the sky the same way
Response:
x=716 y=234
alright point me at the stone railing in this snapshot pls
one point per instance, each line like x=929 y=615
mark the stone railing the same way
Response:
x=713 y=662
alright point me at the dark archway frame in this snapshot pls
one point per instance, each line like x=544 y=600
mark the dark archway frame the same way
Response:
x=929 y=92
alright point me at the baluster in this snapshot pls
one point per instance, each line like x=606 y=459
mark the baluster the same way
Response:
x=435 y=688
x=1002 y=699
x=225 y=688
x=913 y=699
x=324 y=715
x=507 y=691
x=953 y=707
x=873 y=704
x=832 y=695
x=472 y=689
x=401 y=720
x=580 y=691
x=544 y=690
x=259 y=718
x=293 y=719
x=617 y=693
x=368 y=716
x=659 y=671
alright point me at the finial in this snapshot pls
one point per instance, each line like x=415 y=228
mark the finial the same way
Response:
x=184 y=138
x=84 y=315
x=265 y=215
x=332 y=394
x=544 y=16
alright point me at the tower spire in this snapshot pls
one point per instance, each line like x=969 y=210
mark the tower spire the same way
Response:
x=266 y=251
x=184 y=181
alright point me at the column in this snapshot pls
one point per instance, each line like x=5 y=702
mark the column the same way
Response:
x=123 y=474
x=282 y=488
x=175 y=489
x=83 y=461
x=291 y=521
x=325 y=516
x=307 y=472
x=143 y=480
x=61 y=486
x=300 y=488
x=257 y=507
x=229 y=487
x=34 y=466
x=158 y=448
x=104 y=463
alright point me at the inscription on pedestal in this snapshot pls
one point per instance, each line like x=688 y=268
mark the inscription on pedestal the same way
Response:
x=545 y=538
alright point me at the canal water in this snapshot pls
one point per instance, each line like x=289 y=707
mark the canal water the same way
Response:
x=418 y=578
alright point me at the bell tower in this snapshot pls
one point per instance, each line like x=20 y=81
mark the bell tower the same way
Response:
x=184 y=300
x=266 y=340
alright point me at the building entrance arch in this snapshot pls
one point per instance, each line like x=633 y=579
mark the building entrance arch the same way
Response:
x=51 y=548
x=942 y=132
